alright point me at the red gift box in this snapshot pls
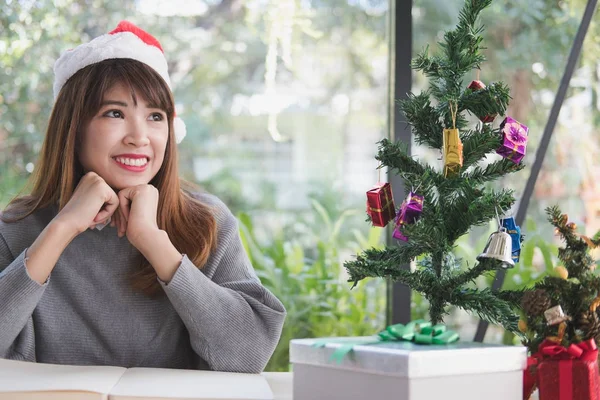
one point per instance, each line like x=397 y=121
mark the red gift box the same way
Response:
x=380 y=204
x=568 y=373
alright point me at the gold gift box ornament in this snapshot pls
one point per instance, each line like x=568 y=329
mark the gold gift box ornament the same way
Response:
x=452 y=153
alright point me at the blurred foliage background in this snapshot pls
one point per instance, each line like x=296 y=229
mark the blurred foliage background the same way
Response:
x=284 y=101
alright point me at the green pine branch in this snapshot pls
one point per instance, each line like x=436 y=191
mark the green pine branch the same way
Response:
x=468 y=276
x=443 y=109
x=479 y=143
x=575 y=255
x=489 y=101
x=429 y=65
x=423 y=118
x=479 y=175
x=487 y=306
x=513 y=297
x=382 y=263
x=395 y=156
x=429 y=234
x=472 y=210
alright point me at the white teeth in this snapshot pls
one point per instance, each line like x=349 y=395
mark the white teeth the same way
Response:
x=138 y=162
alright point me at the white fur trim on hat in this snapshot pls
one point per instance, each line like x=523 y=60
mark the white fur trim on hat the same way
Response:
x=105 y=47
x=179 y=129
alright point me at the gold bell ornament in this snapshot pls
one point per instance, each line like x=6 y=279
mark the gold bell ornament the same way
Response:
x=499 y=247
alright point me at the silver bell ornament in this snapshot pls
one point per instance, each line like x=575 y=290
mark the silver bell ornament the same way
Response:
x=499 y=247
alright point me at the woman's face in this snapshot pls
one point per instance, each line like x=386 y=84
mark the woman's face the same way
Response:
x=124 y=142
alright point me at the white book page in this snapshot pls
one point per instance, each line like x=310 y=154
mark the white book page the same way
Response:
x=162 y=383
x=21 y=376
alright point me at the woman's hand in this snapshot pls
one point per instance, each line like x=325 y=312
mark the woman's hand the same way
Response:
x=136 y=218
x=137 y=214
x=93 y=202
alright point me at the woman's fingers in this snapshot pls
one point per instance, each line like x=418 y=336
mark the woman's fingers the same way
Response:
x=111 y=203
x=116 y=221
x=124 y=202
x=123 y=223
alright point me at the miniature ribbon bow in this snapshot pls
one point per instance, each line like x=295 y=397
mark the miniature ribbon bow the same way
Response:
x=516 y=134
x=585 y=351
x=419 y=331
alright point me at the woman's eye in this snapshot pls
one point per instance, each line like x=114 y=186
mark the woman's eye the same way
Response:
x=156 y=117
x=114 y=114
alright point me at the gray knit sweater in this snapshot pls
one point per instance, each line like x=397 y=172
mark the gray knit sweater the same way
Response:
x=218 y=318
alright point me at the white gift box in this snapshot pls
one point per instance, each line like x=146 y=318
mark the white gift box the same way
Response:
x=406 y=371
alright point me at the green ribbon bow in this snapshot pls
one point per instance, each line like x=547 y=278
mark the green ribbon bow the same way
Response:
x=420 y=331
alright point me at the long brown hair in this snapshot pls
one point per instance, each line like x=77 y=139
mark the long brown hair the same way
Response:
x=189 y=223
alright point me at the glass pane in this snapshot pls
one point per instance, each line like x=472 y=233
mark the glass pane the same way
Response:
x=528 y=43
x=284 y=101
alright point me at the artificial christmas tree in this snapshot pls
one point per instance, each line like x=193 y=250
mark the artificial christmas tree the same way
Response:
x=421 y=360
x=561 y=322
x=454 y=194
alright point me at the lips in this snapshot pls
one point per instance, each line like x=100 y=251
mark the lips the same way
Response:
x=131 y=164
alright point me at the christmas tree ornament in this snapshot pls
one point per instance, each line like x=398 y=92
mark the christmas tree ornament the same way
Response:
x=555 y=315
x=380 y=204
x=588 y=241
x=535 y=302
x=561 y=271
x=594 y=304
x=514 y=140
x=589 y=324
x=562 y=328
x=499 y=247
x=572 y=226
x=452 y=153
x=564 y=218
x=409 y=213
x=515 y=233
x=398 y=233
x=476 y=85
x=522 y=326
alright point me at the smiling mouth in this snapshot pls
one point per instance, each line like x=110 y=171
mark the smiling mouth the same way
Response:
x=131 y=162
x=134 y=165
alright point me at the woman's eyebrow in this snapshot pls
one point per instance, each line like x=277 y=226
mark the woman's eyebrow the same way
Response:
x=113 y=102
x=153 y=105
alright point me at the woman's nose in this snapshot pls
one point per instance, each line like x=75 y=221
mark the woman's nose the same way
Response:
x=137 y=132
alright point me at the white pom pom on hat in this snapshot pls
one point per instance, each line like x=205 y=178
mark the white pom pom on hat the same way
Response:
x=125 y=41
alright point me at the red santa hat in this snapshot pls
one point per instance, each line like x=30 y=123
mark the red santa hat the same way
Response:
x=125 y=41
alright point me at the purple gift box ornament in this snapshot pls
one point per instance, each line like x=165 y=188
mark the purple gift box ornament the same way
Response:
x=410 y=211
x=514 y=140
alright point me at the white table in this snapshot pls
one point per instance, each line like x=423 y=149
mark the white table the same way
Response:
x=281 y=384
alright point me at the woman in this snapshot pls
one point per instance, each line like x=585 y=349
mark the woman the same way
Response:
x=168 y=283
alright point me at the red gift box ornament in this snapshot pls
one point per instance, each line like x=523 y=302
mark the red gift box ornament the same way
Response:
x=380 y=204
x=410 y=211
x=475 y=86
x=514 y=140
x=568 y=373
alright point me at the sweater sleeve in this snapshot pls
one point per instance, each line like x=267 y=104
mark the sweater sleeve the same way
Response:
x=19 y=295
x=233 y=321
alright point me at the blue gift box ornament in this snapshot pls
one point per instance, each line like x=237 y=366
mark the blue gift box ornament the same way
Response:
x=515 y=233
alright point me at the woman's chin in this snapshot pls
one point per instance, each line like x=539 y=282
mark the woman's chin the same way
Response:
x=123 y=184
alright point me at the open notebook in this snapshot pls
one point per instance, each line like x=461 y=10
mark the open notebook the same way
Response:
x=30 y=381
